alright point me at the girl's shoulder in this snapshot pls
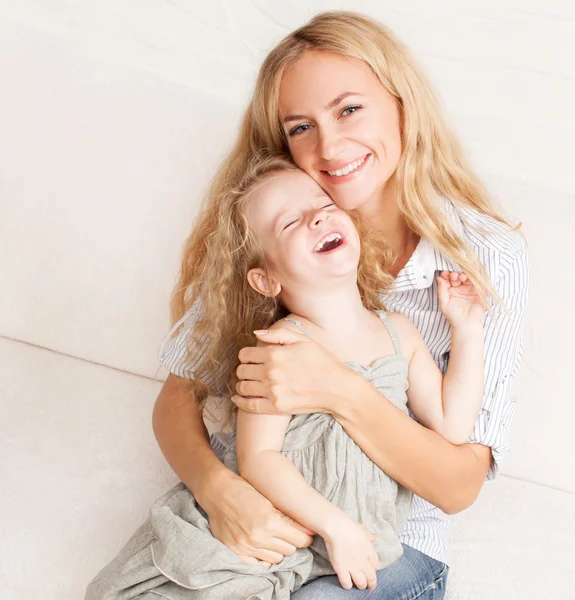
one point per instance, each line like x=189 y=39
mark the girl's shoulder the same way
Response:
x=293 y=322
x=404 y=329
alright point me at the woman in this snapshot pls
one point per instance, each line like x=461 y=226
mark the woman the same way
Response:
x=343 y=98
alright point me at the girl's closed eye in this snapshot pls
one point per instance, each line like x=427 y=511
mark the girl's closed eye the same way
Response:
x=289 y=224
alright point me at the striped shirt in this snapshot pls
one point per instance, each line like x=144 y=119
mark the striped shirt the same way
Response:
x=503 y=254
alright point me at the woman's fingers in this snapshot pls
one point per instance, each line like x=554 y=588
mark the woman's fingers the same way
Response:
x=250 y=372
x=256 y=355
x=293 y=533
x=250 y=560
x=281 y=335
x=268 y=556
x=258 y=406
x=281 y=546
x=251 y=388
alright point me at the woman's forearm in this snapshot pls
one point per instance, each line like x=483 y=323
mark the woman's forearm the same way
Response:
x=447 y=475
x=183 y=438
x=276 y=478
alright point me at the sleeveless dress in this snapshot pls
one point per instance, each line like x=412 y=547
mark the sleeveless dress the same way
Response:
x=174 y=556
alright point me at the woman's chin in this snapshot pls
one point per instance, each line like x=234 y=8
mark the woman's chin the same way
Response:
x=348 y=203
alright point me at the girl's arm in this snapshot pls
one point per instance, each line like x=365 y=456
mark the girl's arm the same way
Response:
x=446 y=404
x=349 y=544
x=450 y=404
x=260 y=462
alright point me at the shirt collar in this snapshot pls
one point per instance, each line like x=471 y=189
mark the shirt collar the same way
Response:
x=420 y=270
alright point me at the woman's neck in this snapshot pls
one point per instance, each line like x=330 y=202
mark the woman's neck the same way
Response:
x=384 y=215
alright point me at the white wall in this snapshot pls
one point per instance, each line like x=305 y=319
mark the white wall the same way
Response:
x=114 y=113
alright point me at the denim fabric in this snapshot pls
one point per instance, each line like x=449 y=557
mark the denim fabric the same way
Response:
x=414 y=576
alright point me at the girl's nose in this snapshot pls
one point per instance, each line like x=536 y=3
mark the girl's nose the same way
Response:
x=319 y=217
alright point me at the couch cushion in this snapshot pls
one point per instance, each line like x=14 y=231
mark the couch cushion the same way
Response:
x=80 y=469
x=516 y=541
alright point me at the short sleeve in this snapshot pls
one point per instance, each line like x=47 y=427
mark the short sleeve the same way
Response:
x=181 y=356
x=504 y=333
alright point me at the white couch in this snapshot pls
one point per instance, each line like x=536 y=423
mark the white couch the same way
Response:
x=113 y=116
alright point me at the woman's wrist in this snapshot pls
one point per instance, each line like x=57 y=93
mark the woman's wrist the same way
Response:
x=346 y=391
x=211 y=481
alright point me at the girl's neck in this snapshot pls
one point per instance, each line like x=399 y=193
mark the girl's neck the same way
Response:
x=332 y=309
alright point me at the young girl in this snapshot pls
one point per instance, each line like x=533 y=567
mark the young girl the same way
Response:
x=298 y=256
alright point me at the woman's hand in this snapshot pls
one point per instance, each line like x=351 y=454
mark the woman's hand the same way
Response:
x=290 y=375
x=352 y=554
x=248 y=524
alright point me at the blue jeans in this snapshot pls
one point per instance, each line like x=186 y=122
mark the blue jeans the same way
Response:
x=414 y=576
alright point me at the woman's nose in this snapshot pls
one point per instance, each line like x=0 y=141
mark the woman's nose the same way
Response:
x=330 y=145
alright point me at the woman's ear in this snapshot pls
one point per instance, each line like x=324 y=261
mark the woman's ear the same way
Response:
x=263 y=284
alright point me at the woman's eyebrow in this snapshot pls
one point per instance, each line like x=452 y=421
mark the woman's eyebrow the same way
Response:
x=332 y=104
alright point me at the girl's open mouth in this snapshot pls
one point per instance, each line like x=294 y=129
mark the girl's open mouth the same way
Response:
x=329 y=242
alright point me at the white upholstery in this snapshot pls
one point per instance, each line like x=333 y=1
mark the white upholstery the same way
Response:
x=113 y=117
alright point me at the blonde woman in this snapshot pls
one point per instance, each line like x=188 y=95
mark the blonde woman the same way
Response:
x=344 y=99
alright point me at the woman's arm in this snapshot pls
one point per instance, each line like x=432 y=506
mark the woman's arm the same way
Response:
x=447 y=475
x=239 y=516
x=181 y=434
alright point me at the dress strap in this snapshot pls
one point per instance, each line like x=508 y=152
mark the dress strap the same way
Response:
x=390 y=329
x=297 y=324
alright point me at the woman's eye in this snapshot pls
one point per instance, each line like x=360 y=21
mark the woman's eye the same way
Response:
x=289 y=224
x=350 y=110
x=299 y=129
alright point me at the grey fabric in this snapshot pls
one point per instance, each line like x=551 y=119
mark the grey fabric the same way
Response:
x=174 y=556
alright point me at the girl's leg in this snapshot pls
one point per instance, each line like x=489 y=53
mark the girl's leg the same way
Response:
x=414 y=576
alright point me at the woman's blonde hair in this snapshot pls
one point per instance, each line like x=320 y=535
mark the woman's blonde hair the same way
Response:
x=218 y=256
x=431 y=168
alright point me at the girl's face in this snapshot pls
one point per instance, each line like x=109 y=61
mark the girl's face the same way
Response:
x=308 y=242
x=342 y=126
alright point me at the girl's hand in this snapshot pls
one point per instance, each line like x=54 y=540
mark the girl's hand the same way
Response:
x=458 y=300
x=352 y=555
x=248 y=524
x=291 y=375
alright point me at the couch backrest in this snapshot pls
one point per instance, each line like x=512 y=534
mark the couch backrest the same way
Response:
x=110 y=137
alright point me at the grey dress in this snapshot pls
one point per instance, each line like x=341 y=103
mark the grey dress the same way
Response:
x=174 y=556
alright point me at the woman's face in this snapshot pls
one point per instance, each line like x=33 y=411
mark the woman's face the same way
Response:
x=309 y=243
x=342 y=126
